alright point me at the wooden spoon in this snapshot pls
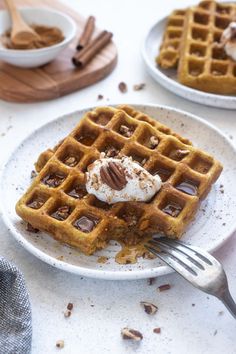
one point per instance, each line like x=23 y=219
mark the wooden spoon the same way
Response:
x=22 y=35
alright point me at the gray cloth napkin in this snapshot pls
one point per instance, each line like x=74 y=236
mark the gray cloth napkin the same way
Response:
x=15 y=311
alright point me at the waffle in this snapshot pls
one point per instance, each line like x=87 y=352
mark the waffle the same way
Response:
x=57 y=201
x=170 y=48
x=47 y=154
x=203 y=63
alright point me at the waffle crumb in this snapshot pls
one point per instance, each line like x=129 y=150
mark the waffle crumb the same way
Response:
x=102 y=259
x=151 y=281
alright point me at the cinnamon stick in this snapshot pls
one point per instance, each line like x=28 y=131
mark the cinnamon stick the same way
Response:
x=87 y=33
x=82 y=58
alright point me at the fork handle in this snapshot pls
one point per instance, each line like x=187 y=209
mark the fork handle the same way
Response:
x=229 y=303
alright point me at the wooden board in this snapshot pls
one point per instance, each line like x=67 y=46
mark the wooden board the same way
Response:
x=59 y=77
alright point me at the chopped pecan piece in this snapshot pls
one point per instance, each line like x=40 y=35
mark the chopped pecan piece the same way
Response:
x=67 y=313
x=111 y=151
x=133 y=334
x=179 y=154
x=157 y=330
x=149 y=308
x=70 y=306
x=139 y=87
x=153 y=142
x=172 y=209
x=54 y=179
x=60 y=344
x=123 y=87
x=164 y=287
x=36 y=203
x=61 y=213
x=33 y=174
x=126 y=131
x=71 y=161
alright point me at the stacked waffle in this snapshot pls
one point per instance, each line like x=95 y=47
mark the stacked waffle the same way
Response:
x=192 y=44
x=57 y=201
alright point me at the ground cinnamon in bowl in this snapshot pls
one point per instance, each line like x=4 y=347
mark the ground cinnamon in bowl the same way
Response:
x=49 y=36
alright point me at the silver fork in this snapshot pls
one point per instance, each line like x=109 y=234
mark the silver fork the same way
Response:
x=198 y=267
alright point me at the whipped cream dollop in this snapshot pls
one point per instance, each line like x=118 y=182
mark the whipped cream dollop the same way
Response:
x=114 y=180
x=228 y=40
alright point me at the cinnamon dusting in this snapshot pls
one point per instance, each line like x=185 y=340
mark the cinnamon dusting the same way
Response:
x=48 y=36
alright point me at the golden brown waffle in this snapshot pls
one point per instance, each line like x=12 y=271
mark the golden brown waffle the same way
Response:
x=46 y=155
x=203 y=64
x=170 y=48
x=57 y=201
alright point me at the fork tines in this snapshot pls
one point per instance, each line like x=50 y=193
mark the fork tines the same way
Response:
x=186 y=260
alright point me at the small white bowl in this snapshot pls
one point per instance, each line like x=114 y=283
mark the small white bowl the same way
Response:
x=36 y=57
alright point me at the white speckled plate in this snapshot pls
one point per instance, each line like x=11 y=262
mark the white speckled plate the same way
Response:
x=215 y=221
x=167 y=78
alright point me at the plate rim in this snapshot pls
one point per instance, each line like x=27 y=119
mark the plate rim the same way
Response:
x=197 y=96
x=99 y=273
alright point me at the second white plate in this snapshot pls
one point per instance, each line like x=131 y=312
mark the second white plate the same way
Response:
x=167 y=78
x=214 y=224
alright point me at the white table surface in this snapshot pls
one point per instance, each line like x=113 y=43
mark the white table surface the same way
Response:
x=102 y=308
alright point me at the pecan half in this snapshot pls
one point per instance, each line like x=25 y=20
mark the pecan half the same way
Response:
x=113 y=175
x=149 y=308
x=128 y=333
